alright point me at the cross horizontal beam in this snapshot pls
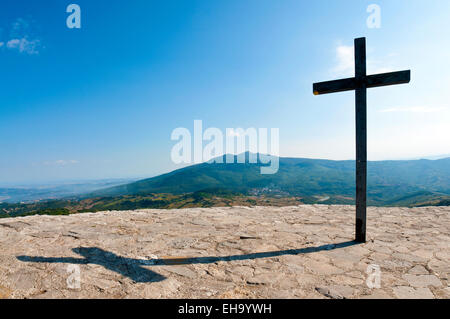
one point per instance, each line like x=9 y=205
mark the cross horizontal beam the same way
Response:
x=371 y=81
x=334 y=86
x=385 y=79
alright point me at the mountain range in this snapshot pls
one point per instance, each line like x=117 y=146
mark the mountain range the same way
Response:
x=298 y=180
x=389 y=182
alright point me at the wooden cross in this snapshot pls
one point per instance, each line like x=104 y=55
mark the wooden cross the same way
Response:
x=360 y=83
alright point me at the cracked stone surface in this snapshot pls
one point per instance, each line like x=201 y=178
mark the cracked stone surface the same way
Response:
x=235 y=252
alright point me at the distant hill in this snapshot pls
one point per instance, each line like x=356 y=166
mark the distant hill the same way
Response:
x=389 y=182
x=32 y=193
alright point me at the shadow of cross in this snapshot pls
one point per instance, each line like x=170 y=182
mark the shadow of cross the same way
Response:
x=132 y=268
x=128 y=267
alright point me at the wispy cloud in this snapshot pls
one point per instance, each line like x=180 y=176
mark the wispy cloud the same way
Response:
x=413 y=109
x=24 y=45
x=21 y=39
x=345 y=63
x=60 y=162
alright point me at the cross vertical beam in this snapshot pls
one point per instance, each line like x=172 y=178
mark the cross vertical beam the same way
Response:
x=361 y=139
x=360 y=83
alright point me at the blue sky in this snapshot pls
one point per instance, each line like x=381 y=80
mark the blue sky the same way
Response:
x=102 y=101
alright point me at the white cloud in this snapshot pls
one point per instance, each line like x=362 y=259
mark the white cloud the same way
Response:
x=12 y=44
x=24 y=45
x=21 y=39
x=413 y=109
x=345 y=63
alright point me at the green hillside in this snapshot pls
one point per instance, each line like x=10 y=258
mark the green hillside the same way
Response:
x=389 y=182
x=298 y=181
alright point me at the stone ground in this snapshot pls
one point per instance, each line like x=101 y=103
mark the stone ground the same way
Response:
x=260 y=252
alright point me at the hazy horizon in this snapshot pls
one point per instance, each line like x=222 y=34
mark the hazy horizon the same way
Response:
x=69 y=181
